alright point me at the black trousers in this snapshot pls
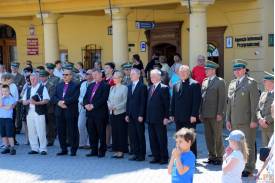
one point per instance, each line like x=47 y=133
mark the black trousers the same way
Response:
x=119 y=132
x=158 y=140
x=67 y=126
x=137 y=137
x=180 y=125
x=50 y=127
x=96 y=128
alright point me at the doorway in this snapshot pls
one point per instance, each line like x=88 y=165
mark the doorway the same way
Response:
x=166 y=50
x=164 y=39
x=8 y=49
x=215 y=47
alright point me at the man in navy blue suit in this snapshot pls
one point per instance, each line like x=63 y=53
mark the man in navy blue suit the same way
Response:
x=66 y=112
x=158 y=117
x=135 y=115
x=95 y=103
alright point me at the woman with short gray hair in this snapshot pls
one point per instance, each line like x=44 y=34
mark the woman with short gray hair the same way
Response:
x=117 y=108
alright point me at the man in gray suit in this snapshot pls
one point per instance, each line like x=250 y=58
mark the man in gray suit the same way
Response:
x=243 y=97
x=265 y=119
x=212 y=112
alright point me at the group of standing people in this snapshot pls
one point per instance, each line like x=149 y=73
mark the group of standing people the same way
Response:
x=86 y=109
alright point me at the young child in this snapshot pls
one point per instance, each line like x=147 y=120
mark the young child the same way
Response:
x=182 y=162
x=7 y=103
x=234 y=158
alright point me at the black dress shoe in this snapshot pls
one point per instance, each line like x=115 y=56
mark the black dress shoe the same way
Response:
x=43 y=153
x=150 y=155
x=209 y=161
x=50 y=144
x=246 y=173
x=133 y=158
x=217 y=162
x=5 y=151
x=140 y=159
x=12 y=152
x=16 y=143
x=154 y=161
x=62 y=153
x=33 y=152
x=163 y=162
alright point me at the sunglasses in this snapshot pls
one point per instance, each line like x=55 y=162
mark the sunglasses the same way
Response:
x=66 y=74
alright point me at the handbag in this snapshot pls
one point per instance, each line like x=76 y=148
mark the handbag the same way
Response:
x=264 y=152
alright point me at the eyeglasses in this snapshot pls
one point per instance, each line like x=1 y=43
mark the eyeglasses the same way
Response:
x=66 y=74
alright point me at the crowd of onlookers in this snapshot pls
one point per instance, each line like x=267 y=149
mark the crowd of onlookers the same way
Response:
x=106 y=107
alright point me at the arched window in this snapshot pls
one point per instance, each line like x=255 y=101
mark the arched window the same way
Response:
x=212 y=50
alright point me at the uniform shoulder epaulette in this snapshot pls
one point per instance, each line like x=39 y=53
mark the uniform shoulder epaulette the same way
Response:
x=250 y=78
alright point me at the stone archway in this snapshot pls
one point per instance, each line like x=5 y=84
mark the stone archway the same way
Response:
x=8 y=49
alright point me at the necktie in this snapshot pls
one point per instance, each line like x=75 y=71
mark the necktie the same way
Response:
x=133 y=87
x=65 y=88
x=238 y=82
x=93 y=91
x=152 y=90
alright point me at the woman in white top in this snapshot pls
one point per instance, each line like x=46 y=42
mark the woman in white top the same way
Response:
x=234 y=158
x=117 y=108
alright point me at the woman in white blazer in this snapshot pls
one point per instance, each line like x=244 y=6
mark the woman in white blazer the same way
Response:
x=117 y=108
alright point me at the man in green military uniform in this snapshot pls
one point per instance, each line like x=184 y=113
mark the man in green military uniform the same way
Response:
x=50 y=81
x=126 y=67
x=265 y=119
x=243 y=97
x=212 y=112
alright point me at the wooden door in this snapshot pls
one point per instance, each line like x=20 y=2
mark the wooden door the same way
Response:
x=6 y=46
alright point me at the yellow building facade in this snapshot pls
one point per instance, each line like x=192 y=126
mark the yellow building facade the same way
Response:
x=76 y=30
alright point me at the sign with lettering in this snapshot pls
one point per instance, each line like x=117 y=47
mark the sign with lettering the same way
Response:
x=249 y=41
x=32 y=46
x=145 y=25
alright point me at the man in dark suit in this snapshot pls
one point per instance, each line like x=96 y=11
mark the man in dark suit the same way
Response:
x=95 y=103
x=185 y=102
x=158 y=117
x=135 y=114
x=66 y=112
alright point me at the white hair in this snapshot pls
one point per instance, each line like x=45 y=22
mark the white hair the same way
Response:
x=184 y=68
x=155 y=71
x=119 y=74
x=137 y=71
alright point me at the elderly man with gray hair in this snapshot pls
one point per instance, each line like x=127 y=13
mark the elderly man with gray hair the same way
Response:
x=185 y=103
x=36 y=98
x=198 y=72
x=158 y=117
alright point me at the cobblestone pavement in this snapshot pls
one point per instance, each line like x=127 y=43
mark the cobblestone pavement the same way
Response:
x=24 y=168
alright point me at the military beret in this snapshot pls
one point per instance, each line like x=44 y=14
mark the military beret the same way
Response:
x=28 y=69
x=50 y=66
x=268 y=76
x=15 y=64
x=43 y=73
x=126 y=66
x=211 y=65
x=239 y=64
x=75 y=70
x=68 y=67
